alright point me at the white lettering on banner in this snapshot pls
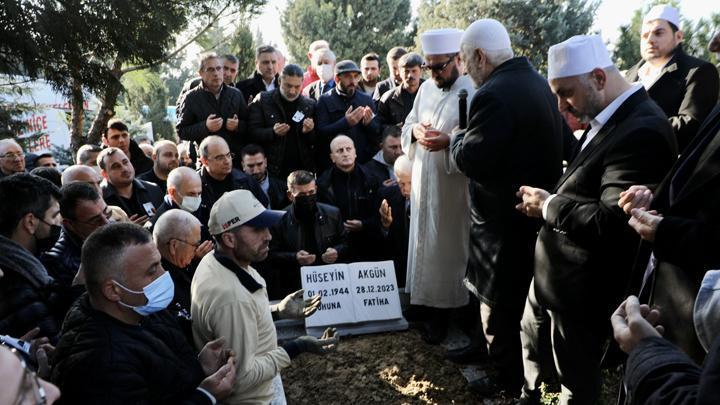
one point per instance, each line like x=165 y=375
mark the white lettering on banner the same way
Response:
x=352 y=293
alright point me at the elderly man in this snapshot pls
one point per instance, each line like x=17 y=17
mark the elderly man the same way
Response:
x=12 y=158
x=395 y=216
x=394 y=79
x=138 y=198
x=282 y=122
x=177 y=236
x=439 y=226
x=345 y=110
x=324 y=64
x=686 y=88
x=370 y=67
x=229 y=298
x=514 y=137
x=265 y=76
x=584 y=251
x=350 y=187
x=310 y=234
x=213 y=108
x=165 y=158
x=117 y=135
x=123 y=316
x=311 y=74
x=396 y=103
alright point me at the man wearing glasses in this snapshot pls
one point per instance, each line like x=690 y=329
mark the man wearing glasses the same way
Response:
x=12 y=158
x=213 y=108
x=439 y=222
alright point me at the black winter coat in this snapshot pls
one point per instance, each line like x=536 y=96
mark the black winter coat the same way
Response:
x=253 y=86
x=396 y=238
x=143 y=192
x=392 y=108
x=140 y=162
x=62 y=263
x=267 y=111
x=100 y=360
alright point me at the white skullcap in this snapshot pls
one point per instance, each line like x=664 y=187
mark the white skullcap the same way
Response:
x=577 y=55
x=487 y=34
x=663 y=12
x=442 y=41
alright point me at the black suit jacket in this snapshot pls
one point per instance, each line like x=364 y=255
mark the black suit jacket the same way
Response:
x=514 y=138
x=277 y=192
x=686 y=90
x=396 y=237
x=253 y=86
x=585 y=249
x=687 y=239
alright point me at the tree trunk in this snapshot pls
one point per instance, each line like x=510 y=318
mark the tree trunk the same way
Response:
x=78 y=116
x=107 y=108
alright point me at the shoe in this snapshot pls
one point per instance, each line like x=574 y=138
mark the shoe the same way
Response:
x=529 y=399
x=471 y=354
x=416 y=313
x=485 y=386
x=433 y=334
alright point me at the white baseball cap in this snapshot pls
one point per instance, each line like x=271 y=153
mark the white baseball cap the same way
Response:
x=237 y=208
x=577 y=55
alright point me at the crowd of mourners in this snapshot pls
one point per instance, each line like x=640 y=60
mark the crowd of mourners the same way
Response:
x=575 y=214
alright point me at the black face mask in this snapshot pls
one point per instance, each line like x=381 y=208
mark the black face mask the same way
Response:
x=46 y=243
x=305 y=206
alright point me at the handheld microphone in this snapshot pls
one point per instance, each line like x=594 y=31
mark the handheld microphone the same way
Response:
x=462 y=106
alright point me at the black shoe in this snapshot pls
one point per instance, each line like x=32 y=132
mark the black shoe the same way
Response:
x=485 y=386
x=471 y=354
x=529 y=399
x=416 y=313
x=433 y=334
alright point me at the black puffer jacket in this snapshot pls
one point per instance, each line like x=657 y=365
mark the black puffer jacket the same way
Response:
x=62 y=263
x=100 y=360
x=27 y=297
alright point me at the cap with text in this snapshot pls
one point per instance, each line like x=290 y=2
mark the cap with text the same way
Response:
x=441 y=41
x=240 y=207
x=577 y=55
x=663 y=12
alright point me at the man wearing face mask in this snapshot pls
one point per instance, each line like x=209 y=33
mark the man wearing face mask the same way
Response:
x=83 y=211
x=123 y=317
x=281 y=121
x=345 y=110
x=29 y=224
x=324 y=65
x=310 y=234
x=229 y=298
x=177 y=236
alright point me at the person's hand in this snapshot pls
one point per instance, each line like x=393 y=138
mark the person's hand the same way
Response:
x=221 y=383
x=139 y=220
x=281 y=129
x=330 y=256
x=434 y=140
x=327 y=343
x=304 y=258
x=204 y=248
x=294 y=307
x=213 y=123
x=645 y=223
x=214 y=355
x=420 y=129
x=353 y=117
x=385 y=214
x=633 y=322
x=532 y=201
x=232 y=123
x=367 y=115
x=635 y=197
x=308 y=125
x=353 y=225
x=40 y=349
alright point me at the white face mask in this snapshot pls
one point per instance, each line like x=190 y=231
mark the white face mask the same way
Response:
x=325 y=72
x=190 y=204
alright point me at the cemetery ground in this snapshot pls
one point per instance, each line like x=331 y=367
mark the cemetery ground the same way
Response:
x=395 y=368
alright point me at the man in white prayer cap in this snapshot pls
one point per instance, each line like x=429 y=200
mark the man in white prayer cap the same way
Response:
x=686 y=88
x=439 y=220
x=514 y=137
x=585 y=250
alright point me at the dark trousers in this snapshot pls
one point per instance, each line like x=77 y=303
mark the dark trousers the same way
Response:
x=501 y=327
x=569 y=346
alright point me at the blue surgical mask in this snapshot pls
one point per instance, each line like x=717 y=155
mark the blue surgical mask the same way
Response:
x=159 y=294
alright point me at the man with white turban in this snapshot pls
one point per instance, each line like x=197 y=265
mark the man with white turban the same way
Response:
x=585 y=250
x=514 y=137
x=440 y=207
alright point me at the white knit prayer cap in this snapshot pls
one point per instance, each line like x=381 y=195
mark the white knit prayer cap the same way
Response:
x=577 y=55
x=487 y=34
x=663 y=12
x=441 y=41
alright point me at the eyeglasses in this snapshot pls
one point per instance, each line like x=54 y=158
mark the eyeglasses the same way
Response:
x=195 y=245
x=13 y=156
x=438 y=67
x=29 y=382
x=221 y=158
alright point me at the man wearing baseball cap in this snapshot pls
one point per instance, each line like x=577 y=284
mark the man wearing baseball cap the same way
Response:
x=229 y=298
x=585 y=251
x=686 y=88
x=345 y=110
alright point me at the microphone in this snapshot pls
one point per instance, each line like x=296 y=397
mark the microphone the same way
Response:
x=462 y=106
